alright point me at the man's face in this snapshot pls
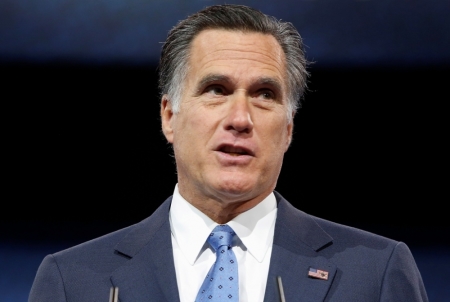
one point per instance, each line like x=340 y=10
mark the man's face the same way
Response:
x=231 y=132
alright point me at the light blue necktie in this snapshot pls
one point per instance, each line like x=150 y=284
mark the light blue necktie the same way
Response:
x=221 y=282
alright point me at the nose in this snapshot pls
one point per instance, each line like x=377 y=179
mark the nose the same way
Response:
x=239 y=117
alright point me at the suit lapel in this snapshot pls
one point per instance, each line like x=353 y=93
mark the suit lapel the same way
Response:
x=297 y=242
x=149 y=275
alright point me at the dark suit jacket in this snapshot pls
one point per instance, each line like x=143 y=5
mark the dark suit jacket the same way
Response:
x=138 y=260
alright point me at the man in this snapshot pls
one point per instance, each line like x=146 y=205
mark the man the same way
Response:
x=231 y=78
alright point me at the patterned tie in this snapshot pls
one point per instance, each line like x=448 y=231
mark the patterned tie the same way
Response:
x=221 y=282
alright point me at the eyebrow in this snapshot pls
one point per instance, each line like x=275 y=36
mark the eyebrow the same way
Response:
x=271 y=82
x=210 y=78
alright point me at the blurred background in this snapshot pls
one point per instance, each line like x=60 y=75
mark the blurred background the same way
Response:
x=84 y=154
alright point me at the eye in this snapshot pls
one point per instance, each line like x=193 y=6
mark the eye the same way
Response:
x=266 y=94
x=215 y=90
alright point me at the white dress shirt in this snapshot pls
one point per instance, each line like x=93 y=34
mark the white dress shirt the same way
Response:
x=193 y=256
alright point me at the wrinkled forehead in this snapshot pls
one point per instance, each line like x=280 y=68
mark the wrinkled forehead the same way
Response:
x=218 y=31
x=237 y=51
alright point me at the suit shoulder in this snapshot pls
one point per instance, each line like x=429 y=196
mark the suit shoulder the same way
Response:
x=98 y=245
x=104 y=245
x=346 y=233
x=317 y=231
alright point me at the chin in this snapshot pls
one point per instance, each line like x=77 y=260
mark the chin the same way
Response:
x=237 y=187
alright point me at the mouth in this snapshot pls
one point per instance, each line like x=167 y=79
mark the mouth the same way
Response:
x=235 y=150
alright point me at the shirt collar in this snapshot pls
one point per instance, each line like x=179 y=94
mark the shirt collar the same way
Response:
x=255 y=227
x=191 y=227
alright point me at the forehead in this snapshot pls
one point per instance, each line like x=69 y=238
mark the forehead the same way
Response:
x=237 y=53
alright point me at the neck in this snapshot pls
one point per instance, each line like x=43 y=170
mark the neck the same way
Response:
x=221 y=210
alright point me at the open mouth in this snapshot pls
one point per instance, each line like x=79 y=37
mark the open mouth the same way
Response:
x=235 y=151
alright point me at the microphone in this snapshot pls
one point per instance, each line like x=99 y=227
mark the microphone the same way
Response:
x=114 y=294
x=281 y=290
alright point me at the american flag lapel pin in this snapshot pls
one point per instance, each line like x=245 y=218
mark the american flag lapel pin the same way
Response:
x=317 y=273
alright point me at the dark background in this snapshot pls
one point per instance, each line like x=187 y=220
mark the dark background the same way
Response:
x=84 y=154
x=85 y=147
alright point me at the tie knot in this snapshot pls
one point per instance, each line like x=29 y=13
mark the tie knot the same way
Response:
x=220 y=236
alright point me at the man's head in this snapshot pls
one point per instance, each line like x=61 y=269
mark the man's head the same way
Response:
x=227 y=107
x=175 y=53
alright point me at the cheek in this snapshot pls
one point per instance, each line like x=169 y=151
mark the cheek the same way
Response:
x=190 y=131
x=277 y=133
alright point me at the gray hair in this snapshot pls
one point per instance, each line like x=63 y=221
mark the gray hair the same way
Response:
x=173 y=66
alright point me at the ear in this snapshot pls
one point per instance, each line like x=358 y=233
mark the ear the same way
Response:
x=290 y=130
x=167 y=117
